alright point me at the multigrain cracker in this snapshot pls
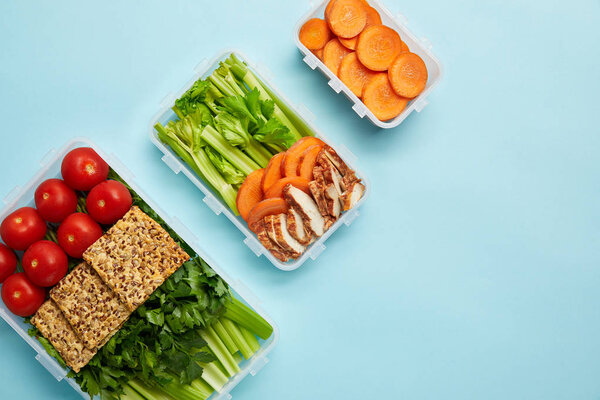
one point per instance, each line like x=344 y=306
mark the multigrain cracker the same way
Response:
x=135 y=257
x=53 y=325
x=94 y=311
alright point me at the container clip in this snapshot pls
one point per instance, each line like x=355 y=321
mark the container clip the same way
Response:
x=420 y=104
x=316 y=250
x=311 y=60
x=351 y=216
x=52 y=366
x=167 y=101
x=258 y=365
x=360 y=109
x=201 y=66
x=346 y=154
x=254 y=245
x=213 y=204
x=172 y=163
x=305 y=113
x=336 y=85
x=47 y=157
x=401 y=19
x=426 y=43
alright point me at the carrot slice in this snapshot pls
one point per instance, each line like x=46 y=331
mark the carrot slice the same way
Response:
x=276 y=191
x=315 y=34
x=308 y=161
x=250 y=193
x=266 y=207
x=272 y=171
x=378 y=46
x=328 y=9
x=408 y=75
x=354 y=74
x=333 y=53
x=405 y=48
x=381 y=99
x=347 y=18
x=319 y=53
x=373 y=18
x=289 y=165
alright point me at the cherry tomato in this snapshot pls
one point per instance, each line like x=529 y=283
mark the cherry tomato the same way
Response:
x=55 y=201
x=78 y=232
x=8 y=262
x=45 y=263
x=21 y=296
x=83 y=168
x=108 y=201
x=22 y=228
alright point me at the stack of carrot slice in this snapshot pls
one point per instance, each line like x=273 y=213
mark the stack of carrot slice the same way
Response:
x=368 y=57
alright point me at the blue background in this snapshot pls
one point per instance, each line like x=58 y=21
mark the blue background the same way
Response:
x=473 y=269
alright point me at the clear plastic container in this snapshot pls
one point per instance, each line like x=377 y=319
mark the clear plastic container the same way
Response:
x=50 y=168
x=165 y=115
x=422 y=47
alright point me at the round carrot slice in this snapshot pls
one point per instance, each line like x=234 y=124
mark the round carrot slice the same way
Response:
x=328 y=9
x=319 y=53
x=333 y=53
x=266 y=207
x=377 y=47
x=308 y=162
x=405 y=48
x=315 y=34
x=408 y=75
x=381 y=99
x=354 y=74
x=250 y=193
x=373 y=18
x=272 y=172
x=276 y=191
x=290 y=162
x=347 y=18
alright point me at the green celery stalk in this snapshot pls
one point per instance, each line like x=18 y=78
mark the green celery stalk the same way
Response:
x=192 y=391
x=203 y=388
x=130 y=394
x=243 y=315
x=225 y=337
x=235 y=156
x=237 y=336
x=258 y=153
x=147 y=392
x=238 y=358
x=212 y=374
x=245 y=74
x=220 y=350
x=250 y=339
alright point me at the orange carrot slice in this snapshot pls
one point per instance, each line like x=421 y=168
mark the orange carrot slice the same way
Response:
x=354 y=74
x=328 y=9
x=308 y=162
x=276 y=191
x=373 y=18
x=250 y=193
x=315 y=34
x=405 y=48
x=333 y=53
x=319 y=53
x=378 y=46
x=381 y=99
x=347 y=18
x=289 y=165
x=272 y=171
x=408 y=75
x=266 y=207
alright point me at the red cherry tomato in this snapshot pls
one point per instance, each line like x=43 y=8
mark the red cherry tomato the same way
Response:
x=55 y=201
x=83 y=168
x=21 y=296
x=22 y=228
x=45 y=263
x=78 y=232
x=8 y=262
x=108 y=201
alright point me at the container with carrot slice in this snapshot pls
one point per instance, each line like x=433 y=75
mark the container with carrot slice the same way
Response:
x=363 y=41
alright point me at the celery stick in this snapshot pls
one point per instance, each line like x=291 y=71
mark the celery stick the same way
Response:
x=225 y=337
x=238 y=358
x=148 y=392
x=243 y=315
x=232 y=154
x=130 y=394
x=237 y=336
x=250 y=339
x=213 y=375
x=220 y=351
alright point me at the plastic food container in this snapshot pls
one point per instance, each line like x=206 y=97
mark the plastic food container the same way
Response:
x=422 y=47
x=50 y=168
x=165 y=115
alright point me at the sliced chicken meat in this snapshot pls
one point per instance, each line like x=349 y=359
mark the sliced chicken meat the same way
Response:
x=335 y=159
x=296 y=228
x=263 y=237
x=352 y=195
x=307 y=208
x=332 y=199
x=284 y=239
